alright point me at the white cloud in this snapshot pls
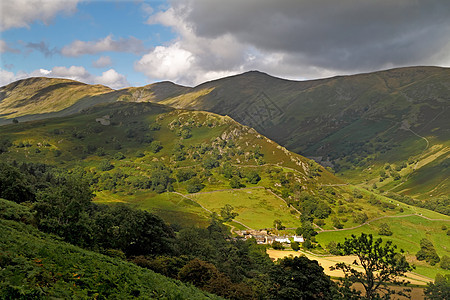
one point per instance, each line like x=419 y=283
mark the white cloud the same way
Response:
x=4 y=47
x=78 y=48
x=21 y=13
x=166 y=62
x=6 y=77
x=112 y=79
x=109 y=78
x=103 y=61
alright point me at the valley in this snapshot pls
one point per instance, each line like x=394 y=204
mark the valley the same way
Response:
x=340 y=156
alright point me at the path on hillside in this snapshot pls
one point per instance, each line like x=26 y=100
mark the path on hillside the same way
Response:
x=384 y=217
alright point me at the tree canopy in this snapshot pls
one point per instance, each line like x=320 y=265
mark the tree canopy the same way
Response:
x=382 y=264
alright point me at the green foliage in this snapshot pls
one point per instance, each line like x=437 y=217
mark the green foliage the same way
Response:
x=194 y=185
x=119 y=156
x=15 y=212
x=38 y=266
x=300 y=278
x=360 y=217
x=5 y=143
x=235 y=183
x=14 y=185
x=277 y=245
x=381 y=262
x=210 y=162
x=227 y=213
x=440 y=289
x=155 y=146
x=277 y=224
x=384 y=229
x=445 y=262
x=154 y=127
x=185 y=174
x=295 y=246
x=333 y=248
x=306 y=230
x=427 y=252
x=253 y=177
x=106 y=165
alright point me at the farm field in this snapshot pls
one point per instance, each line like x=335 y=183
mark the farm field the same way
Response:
x=257 y=207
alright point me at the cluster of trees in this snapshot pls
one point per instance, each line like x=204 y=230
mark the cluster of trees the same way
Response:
x=439 y=204
x=207 y=257
x=427 y=252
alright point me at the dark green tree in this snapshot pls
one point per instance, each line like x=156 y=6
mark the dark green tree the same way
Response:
x=14 y=185
x=382 y=264
x=427 y=252
x=300 y=278
x=227 y=213
x=440 y=289
x=384 y=229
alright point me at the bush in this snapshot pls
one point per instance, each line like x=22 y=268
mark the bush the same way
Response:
x=106 y=165
x=427 y=252
x=445 y=262
x=384 y=229
x=194 y=186
x=155 y=146
x=277 y=245
x=295 y=246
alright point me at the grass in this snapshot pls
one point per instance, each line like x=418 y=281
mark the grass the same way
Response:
x=257 y=208
x=407 y=233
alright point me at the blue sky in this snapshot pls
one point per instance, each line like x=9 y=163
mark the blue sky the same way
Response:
x=133 y=43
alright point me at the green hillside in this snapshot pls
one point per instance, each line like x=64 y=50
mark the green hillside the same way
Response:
x=184 y=165
x=158 y=158
x=384 y=130
x=35 y=265
x=355 y=124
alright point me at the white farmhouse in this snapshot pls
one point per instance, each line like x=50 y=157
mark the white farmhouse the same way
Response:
x=298 y=239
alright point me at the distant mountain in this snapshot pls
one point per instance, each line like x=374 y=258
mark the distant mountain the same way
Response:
x=387 y=130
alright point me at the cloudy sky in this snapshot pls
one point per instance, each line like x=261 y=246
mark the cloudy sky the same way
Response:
x=132 y=43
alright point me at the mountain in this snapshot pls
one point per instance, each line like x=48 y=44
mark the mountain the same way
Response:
x=370 y=128
x=384 y=130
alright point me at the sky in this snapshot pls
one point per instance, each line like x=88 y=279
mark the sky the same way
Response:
x=123 y=43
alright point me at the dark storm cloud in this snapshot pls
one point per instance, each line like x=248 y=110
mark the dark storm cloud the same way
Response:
x=340 y=35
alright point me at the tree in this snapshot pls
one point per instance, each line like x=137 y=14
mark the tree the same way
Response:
x=300 y=278
x=445 y=262
x=427 y=252
x=384 y=229
x=381 y=263
x=278 y=224
x=440 y=289
x=227 y=213
x=295 y=246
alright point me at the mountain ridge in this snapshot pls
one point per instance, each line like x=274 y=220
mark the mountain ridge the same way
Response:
x=354 y=123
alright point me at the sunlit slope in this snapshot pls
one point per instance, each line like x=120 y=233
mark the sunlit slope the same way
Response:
x=355 y=124
x=157 y=158
x=40 y=97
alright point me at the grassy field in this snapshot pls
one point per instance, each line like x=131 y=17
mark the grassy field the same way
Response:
x=257 y=208
x=407 y=233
